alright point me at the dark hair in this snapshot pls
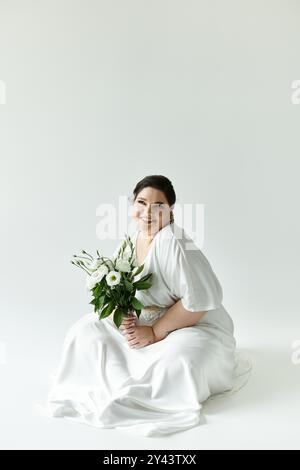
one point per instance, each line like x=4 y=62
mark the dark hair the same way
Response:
x=158 y=182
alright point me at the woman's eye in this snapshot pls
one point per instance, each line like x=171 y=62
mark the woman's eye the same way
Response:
x=155 y=206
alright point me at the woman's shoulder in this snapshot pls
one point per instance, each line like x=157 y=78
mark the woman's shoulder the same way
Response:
x=176 y=237
x=175 y=243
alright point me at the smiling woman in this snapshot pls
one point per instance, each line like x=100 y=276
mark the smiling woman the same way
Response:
x=152 y=375
x=154 y=200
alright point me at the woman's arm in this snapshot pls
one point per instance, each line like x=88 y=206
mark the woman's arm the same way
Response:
x=175 y=317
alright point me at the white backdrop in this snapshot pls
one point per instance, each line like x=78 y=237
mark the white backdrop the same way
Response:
x=95 y=96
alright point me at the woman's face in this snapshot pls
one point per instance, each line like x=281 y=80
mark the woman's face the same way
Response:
x=151 y=211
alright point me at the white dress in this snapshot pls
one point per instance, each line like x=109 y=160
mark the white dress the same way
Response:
x=160 y=388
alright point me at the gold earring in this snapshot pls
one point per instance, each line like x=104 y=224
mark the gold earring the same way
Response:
x=171 y=217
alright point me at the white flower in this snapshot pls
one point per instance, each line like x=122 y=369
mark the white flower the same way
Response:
x=127 y=253
x=95 y=264
x=110 y=264
x=97 y=276
x=113 y=278
x=123 y=266
x=102 y=271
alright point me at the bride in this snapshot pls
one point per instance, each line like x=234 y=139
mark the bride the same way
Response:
x=153 y=374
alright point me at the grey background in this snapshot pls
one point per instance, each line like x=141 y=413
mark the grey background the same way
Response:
x=100 y=94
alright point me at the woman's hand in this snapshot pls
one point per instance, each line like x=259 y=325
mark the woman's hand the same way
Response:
x=140 y=336
x=129 y=320
x=137 y=336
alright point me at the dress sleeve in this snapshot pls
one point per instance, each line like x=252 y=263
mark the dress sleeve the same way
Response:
x=191 y=278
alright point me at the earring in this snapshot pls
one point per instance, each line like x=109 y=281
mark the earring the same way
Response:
x=171 y=217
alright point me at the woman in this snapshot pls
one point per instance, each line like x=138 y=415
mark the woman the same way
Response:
x=153 y=374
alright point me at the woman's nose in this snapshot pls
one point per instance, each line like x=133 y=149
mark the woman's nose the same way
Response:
x=149 y=209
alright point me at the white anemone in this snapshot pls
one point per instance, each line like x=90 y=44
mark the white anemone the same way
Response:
x=113 y=278
x=123 y=266
x=97 y=276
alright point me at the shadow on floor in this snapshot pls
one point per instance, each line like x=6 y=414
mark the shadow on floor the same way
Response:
x=273 y=378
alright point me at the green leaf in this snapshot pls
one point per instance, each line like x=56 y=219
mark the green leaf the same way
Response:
x=96 y=308
x=139 y=270
x=102 y=300
x=96 y=290
x=143 y=285
x=145 y=278
x=99 y=288
x=118 y=316
x=137 y=305
x=106 y=311
x=138 y=312
x=129 y=286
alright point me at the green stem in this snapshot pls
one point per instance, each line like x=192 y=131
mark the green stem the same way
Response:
x=82 y=267
x=81 y=257
x=83 y=251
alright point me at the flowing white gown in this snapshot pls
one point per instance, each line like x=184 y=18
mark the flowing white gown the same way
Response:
x=160 y=388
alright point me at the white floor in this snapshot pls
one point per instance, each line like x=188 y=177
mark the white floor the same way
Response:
x=265 y=414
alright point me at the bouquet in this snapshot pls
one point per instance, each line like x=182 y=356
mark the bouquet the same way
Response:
x=112 y=281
